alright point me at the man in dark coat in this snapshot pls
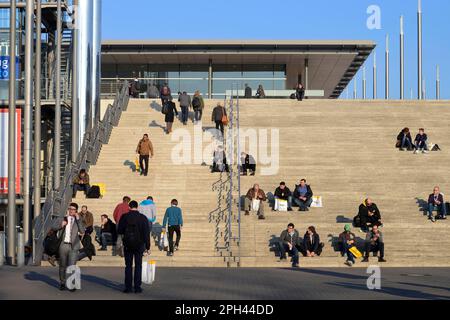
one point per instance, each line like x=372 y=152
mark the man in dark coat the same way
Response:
x=248 y=92
x=136 y=240
x=283 y=193
x=217 y=115
x=369 y=215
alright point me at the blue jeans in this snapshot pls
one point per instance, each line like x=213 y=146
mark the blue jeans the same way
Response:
x=285 y=248
x=184 y=114
x=289 y=202
x=440 y=209
x=198 y=115
x=106 y=238
x=406 y=143
x=422 y=145
x=303 y=204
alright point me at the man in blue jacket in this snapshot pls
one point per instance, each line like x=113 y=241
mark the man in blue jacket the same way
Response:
x=174 y=219
x=303 y=195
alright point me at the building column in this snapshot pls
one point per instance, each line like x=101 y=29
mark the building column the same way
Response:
x=75 y=101
x=27 y=130
x=57 y=123
x=306 y=84
x=210 y=74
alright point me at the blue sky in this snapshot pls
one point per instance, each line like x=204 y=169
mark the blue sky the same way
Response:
x=298 y=20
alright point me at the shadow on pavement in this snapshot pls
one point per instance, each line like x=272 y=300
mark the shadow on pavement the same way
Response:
x=103 y=282
x=34 y=276
x=329 y=273
x=398 y=292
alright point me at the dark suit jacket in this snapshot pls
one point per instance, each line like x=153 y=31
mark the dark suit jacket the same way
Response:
x=431 y=199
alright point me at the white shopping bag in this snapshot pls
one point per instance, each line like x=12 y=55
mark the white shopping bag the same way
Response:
x=164 y=241
x=317 y=202
x=255 y=204
x=281 y=205
x=148 y=271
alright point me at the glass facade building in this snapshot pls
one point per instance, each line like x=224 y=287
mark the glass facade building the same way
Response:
x=192 y=77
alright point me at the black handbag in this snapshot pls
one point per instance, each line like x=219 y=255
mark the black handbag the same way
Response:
x=52 y=243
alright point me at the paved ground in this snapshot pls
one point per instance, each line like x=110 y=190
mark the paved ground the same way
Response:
x=232 y=284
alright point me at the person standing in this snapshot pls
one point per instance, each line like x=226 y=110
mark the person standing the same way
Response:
x=136 y=241
x=198 y=104
x=69 y=229
x=218 y=115
x=185 y=104
x=300 y=92
x=148 y=209
x=173 y=218
x=165 y=94
x=144 y=150
x=170 y=116
x=248 y=92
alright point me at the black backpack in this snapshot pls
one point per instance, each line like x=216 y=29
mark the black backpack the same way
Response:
x=196 y=103
x=132 y=237
x=94 y=192
x=357 y=221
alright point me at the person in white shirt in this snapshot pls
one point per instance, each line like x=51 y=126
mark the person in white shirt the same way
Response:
x=69 y=229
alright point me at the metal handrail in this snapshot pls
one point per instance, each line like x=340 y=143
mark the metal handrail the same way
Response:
x=58 y=200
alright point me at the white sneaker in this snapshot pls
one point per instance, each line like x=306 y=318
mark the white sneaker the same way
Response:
x=424 y=151
x=416 y=151
x=349 y=263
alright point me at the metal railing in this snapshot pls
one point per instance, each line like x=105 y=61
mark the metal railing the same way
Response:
x=227 y=215
x=58 y=200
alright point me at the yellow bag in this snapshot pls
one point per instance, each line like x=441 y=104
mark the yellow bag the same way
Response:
x=356 y=253
x=136 y=163
x=102 y=187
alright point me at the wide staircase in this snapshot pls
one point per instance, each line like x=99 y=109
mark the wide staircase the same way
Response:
x=345 y=150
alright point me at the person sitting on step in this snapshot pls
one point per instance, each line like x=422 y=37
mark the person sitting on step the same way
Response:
x=248 y=163
x=303 y=195
x=289 y=242
x=81 y=183
x=346 y=241
x=369 y=214
x=421 y=141
x=436 y=202
x=255 y=198
x=404 y=140
x=283 y=193
x=311 y=243
x=220 y=160
x=107 y=233
x=374 y=243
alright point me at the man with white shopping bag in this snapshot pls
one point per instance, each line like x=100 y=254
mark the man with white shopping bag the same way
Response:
x=254 y=201
x=283 y=196
x=136 y=241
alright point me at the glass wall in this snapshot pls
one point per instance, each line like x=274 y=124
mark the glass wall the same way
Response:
x=192 y=77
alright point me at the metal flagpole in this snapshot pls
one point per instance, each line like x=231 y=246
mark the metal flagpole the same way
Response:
x=419 y=52
x=402 y=60
x=11 y=223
